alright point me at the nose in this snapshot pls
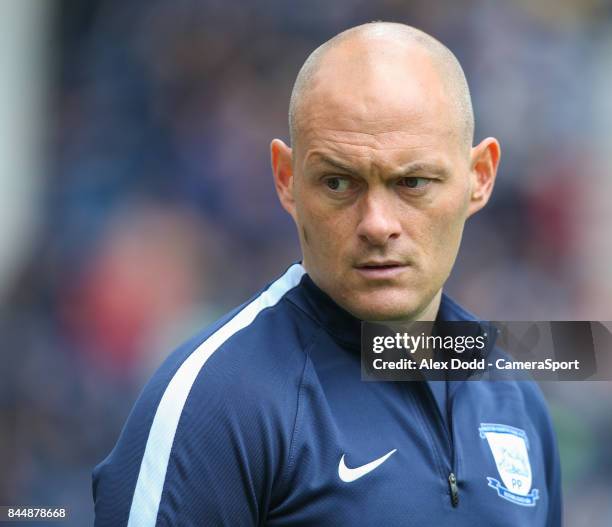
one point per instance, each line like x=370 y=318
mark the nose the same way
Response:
x=378 y=223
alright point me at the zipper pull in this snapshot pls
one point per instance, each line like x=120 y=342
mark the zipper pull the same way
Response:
x=454 y=489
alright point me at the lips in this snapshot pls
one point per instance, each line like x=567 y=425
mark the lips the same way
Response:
x=378 y=264
x=380 y=269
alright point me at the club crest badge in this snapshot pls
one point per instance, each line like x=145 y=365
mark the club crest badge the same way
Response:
x=510 y=447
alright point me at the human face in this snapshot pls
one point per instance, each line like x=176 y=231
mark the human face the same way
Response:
x=380 y=189
x=381 y=219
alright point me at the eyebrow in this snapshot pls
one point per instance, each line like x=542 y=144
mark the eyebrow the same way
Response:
x=420 y=167
x=322 y=158
x=409 y=170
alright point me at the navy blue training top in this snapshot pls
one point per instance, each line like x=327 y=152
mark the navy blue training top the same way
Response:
x=264 y=420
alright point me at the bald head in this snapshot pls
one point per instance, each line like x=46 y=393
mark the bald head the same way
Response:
x=384 y=56
x=381 y=174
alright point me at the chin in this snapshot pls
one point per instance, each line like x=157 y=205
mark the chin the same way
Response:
x=391 y=304
x=376 y=314
x=381 y=309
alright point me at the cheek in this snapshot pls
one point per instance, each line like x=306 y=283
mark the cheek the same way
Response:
x=324 y=231
x=442 y=227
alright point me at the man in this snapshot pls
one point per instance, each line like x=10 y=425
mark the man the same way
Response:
x=264 y=419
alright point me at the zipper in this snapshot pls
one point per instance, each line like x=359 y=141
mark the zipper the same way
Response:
x=453 y=483
x=454 y=490
x=451 y=478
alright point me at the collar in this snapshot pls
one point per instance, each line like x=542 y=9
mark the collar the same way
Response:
x=346 y=328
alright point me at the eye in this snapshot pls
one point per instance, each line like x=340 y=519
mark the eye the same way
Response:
x=414 y=182
x=337 y=184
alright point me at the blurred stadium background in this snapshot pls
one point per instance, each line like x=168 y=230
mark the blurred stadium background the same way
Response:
x=137 y=204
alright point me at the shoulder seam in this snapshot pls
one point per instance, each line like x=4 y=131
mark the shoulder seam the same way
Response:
x=298 y=406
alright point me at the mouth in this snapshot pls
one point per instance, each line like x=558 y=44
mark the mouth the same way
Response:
x=374 y=270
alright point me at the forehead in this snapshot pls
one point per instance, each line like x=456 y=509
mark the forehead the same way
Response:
x=376 y=101
x=363 y=140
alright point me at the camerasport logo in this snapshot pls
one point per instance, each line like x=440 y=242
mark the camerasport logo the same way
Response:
x=510 y=446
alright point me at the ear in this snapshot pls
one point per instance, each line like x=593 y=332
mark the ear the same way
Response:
x=283 y=174
x=484 y=162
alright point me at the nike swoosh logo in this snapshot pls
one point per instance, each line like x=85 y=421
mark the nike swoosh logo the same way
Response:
x=351 y=474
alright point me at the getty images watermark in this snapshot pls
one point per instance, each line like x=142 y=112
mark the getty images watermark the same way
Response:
x=572 y=350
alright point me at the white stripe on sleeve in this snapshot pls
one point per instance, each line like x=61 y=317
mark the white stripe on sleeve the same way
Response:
x=150 y=483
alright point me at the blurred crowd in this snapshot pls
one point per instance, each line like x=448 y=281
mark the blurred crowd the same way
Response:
x=159 y=213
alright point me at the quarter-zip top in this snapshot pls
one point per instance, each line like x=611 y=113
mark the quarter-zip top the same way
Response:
x=263 y=420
